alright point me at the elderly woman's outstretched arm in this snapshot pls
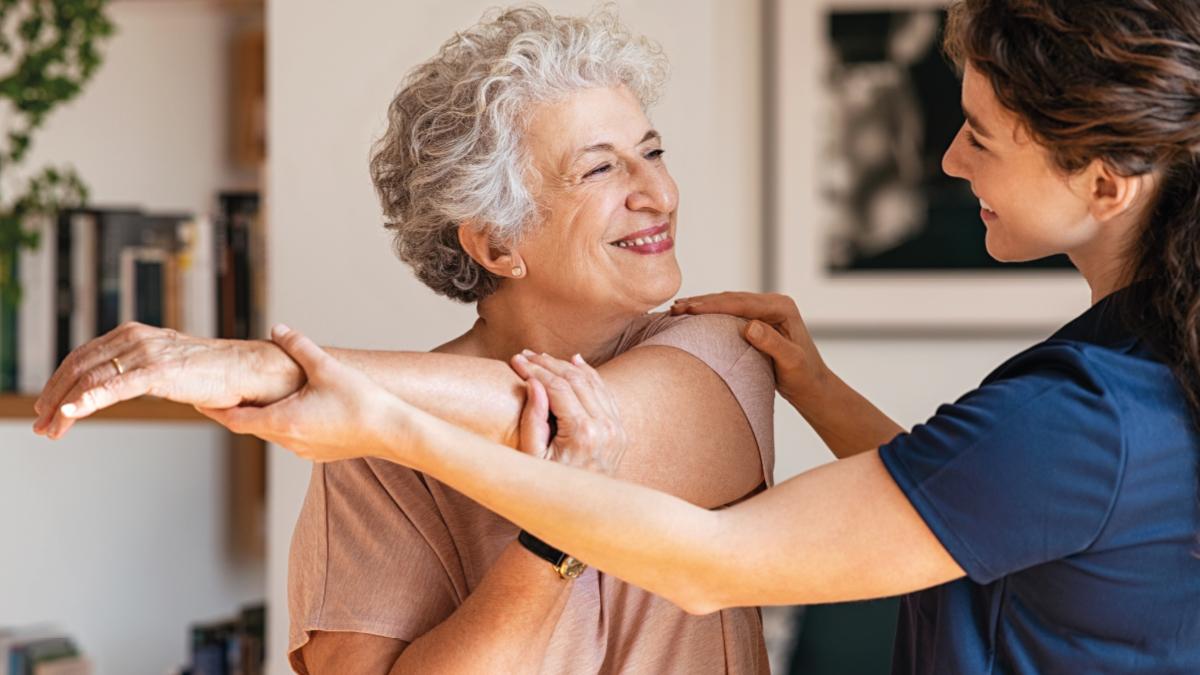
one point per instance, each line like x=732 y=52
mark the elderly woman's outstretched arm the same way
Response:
x=707 y=454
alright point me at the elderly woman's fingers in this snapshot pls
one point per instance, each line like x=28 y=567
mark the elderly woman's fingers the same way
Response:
x=83 y=359
x=582 y=385
x=96 y=391
x=564 y=401
x=599 y=387
x=534 y=426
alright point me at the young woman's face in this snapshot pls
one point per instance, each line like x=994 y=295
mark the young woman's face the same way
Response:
x=1031 y=208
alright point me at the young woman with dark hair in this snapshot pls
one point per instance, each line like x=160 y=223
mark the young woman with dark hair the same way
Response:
x=1045 y=522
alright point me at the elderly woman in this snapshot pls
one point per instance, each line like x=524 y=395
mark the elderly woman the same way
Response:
x=519 y=172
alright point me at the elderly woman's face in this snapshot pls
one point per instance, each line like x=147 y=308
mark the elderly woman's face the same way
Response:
x=608 y=235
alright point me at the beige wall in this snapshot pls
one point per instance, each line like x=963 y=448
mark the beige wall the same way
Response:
x=331 y=75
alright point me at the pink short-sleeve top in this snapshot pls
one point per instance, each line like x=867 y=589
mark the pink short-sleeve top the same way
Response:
x=382 y=549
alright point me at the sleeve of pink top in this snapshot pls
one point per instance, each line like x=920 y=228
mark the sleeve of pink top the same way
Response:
x=716 y=339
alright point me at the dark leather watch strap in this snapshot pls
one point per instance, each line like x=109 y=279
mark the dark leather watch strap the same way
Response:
x=541 y=549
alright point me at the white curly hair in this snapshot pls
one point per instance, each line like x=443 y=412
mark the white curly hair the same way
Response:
x=452 y=153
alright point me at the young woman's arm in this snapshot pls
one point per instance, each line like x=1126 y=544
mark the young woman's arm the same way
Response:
x=839 y=532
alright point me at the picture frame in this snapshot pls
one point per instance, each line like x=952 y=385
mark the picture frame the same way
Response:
x=987 y=300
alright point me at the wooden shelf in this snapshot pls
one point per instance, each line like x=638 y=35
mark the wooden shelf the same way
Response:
x=145 y=409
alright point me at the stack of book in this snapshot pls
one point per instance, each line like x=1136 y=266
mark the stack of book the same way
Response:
x=233 y=647
x=40 y=650
x=97 y=268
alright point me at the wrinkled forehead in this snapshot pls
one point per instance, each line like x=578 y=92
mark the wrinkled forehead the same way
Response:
x=559 y=132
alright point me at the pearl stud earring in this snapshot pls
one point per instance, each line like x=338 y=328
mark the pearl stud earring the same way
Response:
x=518 y=272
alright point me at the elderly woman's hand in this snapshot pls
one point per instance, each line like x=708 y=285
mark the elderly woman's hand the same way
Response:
x=135 y=360
x=339 y=413
x=775 y=329
x=589 y=431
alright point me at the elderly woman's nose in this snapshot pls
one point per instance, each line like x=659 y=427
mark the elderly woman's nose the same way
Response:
x=653 y=189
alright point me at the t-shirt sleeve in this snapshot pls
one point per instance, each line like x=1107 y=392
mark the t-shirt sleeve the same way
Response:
x=370 y=554
x=1021 y=471
x=716 y=340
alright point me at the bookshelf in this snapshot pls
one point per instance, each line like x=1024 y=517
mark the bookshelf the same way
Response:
x=145 y=409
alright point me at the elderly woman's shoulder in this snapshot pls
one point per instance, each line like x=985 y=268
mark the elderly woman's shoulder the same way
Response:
x=706 y=333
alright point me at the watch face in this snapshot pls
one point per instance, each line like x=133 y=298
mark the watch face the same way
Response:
x=571 y=568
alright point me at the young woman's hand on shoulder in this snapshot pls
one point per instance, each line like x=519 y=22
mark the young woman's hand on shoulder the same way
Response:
x=777 y=330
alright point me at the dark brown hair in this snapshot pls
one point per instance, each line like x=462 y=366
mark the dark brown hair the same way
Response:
x=1116 y=80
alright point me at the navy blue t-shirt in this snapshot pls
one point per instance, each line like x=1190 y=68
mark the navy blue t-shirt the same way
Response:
x=1065 y=486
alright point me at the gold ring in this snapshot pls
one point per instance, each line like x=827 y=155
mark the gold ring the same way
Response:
x=120 y=369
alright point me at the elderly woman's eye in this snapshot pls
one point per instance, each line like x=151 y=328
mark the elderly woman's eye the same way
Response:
x=603 y=168
x=655 y=154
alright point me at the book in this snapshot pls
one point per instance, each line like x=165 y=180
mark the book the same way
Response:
x=116 y=232
x=198 y=277
x=13 y=642
x=35 y=318
x=76 y=665
x=237 y=264
x=8 y=346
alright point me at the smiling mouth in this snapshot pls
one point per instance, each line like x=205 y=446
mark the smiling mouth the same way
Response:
x=647 y=237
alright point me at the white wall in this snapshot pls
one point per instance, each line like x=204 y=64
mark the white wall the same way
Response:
x=331 y=75
x=118 y=532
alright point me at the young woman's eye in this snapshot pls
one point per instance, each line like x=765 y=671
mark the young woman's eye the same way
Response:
x=973 y=141
x=603 y=168
x=655 y=154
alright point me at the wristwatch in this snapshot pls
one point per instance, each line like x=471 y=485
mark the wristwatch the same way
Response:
x=566 y=566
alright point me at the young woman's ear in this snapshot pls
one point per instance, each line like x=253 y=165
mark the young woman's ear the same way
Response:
x=501 y=262
x=1113 y=195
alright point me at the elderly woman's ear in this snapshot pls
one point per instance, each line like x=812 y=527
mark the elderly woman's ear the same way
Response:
x=478 y=244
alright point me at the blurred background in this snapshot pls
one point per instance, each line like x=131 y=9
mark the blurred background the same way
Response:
x=208 y=169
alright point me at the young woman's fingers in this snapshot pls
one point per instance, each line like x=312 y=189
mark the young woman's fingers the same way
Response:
x=238 y=419
x=787 y=355
x=303 y=351
x=772 y=308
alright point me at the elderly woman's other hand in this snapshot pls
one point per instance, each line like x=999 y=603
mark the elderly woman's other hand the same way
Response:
x=136 y=360
x=775 y=329
x=589 y=431
x=339 y=413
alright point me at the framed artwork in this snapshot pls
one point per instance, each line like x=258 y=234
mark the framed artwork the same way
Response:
x=869 y=233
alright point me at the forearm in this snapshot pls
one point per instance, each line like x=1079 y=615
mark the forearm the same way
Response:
x=847 y=422
x=481 y=395
x=650 y=539
x=507 y=622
